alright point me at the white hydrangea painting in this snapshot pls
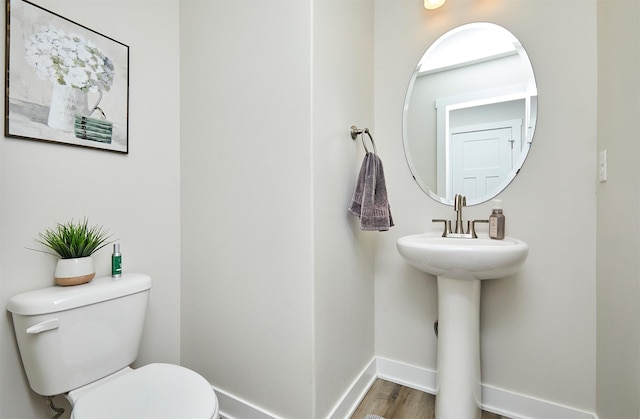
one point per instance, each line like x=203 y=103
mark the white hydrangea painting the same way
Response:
x=69 y=59
x=66 y=83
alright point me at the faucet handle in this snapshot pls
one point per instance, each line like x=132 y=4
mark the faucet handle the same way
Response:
x=473 y=227
x=447 y=223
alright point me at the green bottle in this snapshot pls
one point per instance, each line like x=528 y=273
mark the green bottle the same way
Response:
x=116 y=262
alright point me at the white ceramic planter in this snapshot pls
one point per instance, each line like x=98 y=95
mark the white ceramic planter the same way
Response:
x=74 y=271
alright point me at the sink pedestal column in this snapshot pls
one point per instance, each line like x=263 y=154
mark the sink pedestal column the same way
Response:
x=458 y=388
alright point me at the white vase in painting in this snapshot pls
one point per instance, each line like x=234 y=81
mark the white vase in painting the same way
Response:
x=66 y=102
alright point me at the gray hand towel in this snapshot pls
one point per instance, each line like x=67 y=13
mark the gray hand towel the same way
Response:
x=369 y=201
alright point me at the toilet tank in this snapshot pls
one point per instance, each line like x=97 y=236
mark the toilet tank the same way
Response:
x=72 y=336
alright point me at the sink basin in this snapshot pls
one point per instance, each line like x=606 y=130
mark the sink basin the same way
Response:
x=458 y=264
x=457 y=258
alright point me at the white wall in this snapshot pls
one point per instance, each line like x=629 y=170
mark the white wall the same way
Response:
x=136 y=196
x=277 y=280
x=618 y=269
x=343 y=269
x=247 y=277
x=538 y=327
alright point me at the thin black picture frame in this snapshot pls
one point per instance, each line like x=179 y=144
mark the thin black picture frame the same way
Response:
x=64 y=82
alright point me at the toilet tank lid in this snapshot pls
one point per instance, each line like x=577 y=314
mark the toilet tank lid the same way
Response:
x=57 y=298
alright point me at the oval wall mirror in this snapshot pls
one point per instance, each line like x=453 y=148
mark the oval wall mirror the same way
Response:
x=469 y=113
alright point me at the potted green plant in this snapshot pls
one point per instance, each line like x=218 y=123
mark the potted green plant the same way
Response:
x=74 y=243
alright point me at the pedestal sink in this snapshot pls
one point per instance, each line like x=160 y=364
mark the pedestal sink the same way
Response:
x=460 y=264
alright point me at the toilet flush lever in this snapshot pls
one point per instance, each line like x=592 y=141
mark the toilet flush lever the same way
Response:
x=44 y=326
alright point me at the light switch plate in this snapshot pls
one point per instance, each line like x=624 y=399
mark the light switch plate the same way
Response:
x=602 y=166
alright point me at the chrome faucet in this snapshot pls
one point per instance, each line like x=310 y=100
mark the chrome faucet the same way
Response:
x=459 y=202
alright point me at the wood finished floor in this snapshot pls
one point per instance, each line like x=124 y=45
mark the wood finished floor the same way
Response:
x=393 y=401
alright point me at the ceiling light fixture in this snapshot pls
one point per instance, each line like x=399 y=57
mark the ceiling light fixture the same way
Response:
x=433 y=4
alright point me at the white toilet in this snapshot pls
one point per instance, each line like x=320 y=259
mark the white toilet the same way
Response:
x=80 y=340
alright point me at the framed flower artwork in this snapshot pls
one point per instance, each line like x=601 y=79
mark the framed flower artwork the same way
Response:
x=65 y=83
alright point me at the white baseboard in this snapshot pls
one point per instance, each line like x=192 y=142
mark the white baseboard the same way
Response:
x=407 y=375
x=518 y=406
x=232 y=407
x=495 y=400
x=356 y=392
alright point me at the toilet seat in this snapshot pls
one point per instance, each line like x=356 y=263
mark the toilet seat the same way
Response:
x=154 y=391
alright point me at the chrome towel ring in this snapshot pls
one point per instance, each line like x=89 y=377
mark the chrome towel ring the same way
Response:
x=354 y=134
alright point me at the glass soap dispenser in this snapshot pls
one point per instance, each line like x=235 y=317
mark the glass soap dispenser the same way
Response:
x=496 y=221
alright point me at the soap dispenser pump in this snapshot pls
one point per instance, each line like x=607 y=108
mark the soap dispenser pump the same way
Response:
x=496 y=221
